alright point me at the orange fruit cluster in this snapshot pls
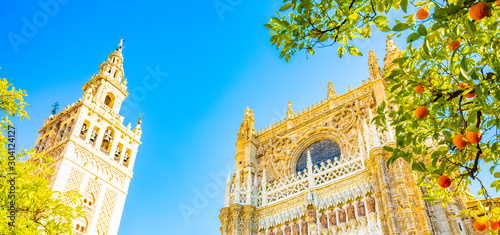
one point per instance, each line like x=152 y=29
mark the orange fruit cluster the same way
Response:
x=471 y=137
x=470 y=94
x=422 y=14
x=455 y=45
x=419 y=89
x=479 y=11
x=459 y=141
x=444 y=181
x=481 y=226
x=421 y=112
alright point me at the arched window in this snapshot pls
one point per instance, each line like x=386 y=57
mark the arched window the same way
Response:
x=118 y=151
x=126 y=158
x=109 y=100
x=320 y=152
x=107 y=140
x=84 y=130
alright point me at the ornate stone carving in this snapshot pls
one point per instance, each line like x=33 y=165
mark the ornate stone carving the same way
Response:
x=247 y=128
x=331 y=91
x=350 y=212
x=311 y=216
x=295 y=228
x=342 y=217
x=333 y=218
x=323 y=220
x=371 y=204
x=289 y=111
x=288 y=230
x=303 y=227
x=361 y=209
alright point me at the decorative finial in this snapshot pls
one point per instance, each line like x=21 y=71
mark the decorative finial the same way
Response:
x=289 y=112
x=375 y=71
x=55 y=106
x=331 y=91
x=247 y=127
x=120 y=45
x=141 y=116
x=392 y=52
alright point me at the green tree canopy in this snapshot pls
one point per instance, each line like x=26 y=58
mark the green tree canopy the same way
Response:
x=450 y=68
x=24 y=181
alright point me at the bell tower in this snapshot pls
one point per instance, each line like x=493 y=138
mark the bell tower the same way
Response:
x=94 y=153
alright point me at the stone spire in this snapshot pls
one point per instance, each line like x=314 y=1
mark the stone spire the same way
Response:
x=109 y=87
x=392 y=52
x=112 y=69
x=247 y=128
x=375 y=71
x=331 y=91
x=289 y=111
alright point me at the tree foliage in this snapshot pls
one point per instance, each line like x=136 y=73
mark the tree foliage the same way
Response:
x=451 y=55
x=24 y=181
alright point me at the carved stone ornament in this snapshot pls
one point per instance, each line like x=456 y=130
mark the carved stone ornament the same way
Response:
x=350 y=212
x=342 y=217
x=333 y=218
x=361 y=209
x=370 y=201
x=323 y=220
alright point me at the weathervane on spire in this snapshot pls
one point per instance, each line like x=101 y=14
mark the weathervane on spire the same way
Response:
x=141 y=116
x=55 y=106
x=120 y=45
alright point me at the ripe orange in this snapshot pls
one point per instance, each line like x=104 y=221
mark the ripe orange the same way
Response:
x=473 y=137
x=470 y=95
x=479 y=226
x=498 y=3
x=419 y=88
x=421 y=112
x=479 y=11
x=444 y=181
x=455 y=45
x=494 y=224
x=422 y=14
x=459 y=141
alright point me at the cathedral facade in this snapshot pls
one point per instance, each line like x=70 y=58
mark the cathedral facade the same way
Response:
x=94 y=153
x=323 y=171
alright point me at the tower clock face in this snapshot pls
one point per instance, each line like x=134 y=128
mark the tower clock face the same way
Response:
x=320 y=151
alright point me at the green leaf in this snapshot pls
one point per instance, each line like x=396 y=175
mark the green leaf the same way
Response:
x=422 y=30
x=310 y=50
x=418 y=166
x=323 y=38
x=404 y=5
x=380 y=19
x=286 y=6
x=354 y=51
x=464 y=74
x=469 y=26
x=401 y=27
x=412 y=37
x=341 y=51
x=269 y=26
x=421 y=3
x=427 y=48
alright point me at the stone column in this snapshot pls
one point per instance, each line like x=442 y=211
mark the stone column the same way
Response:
x=384 y=197
x=249 y=217
x=224 y=220
x=235 y=219
x=402 y=186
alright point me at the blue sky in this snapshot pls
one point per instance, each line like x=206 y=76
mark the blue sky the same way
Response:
x=218 y=63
